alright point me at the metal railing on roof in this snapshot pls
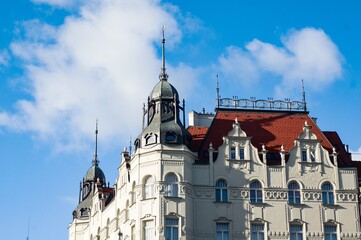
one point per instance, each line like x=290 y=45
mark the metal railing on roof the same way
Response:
x=262 y=104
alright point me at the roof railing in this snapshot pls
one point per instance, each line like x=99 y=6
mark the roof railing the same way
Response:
x=262 y=104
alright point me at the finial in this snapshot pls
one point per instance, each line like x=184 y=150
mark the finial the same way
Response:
x=163 y=74
x=95 y=160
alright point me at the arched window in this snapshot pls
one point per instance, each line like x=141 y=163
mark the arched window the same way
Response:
x=255 y=192
x=221 y=191
x=149 y=188
x=171 y=187
x=327 y=193
x=150 y=139
x=294 y=194
x=170 y=137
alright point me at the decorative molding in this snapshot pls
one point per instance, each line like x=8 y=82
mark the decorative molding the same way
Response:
x=275 y=195
x=237 y=164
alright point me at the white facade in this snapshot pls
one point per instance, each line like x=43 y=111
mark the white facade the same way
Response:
x=141 y=208
x=165 y=190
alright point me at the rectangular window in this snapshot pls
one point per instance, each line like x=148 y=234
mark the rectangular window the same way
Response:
x=257 y=231
x=222 y=231
x=330 y=232
x=148 y=230
x=171 y=229
x=304 y=155
x=296 y=232
x=233 y=153
x=241 y=153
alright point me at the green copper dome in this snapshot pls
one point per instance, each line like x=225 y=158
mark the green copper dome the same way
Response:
x=163 y=90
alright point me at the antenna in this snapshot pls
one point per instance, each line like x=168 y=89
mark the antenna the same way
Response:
x=130 y=145
x=95 y=160
x=304 y=97
x=163 y=75
x=217 y=93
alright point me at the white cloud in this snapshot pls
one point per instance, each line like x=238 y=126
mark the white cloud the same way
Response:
x=4 y=57
x=307 y=54
x=101 y=64
x=57 y=3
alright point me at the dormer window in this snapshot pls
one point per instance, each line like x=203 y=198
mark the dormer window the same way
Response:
x=308 y=155
x=84 y=212
x=136 y=144
x=233 y=153
x=170 y=137
x=304 y=155
x=241 y=153
x=150 y=139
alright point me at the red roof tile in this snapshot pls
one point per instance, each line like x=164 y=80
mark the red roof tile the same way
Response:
x=198 y=134
x=271 y=128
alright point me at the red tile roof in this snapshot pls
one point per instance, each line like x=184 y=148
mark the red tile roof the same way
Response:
x=271 y=128
x=198 y=134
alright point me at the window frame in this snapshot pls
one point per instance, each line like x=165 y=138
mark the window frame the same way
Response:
x=260 y=233
x=328 y=195
x=171 y=185
x=241 y=153
x=222 y=231
x=296 y=234
x=330 y=235
x=148 y=229
x=221 y=190
x=149 y=188
x=173 y=227
x=255 y=192
x=294 y=190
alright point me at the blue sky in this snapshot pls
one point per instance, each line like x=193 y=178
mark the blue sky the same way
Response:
x=66 y=63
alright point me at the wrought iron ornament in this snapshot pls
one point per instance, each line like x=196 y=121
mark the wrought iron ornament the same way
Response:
x=270 y=104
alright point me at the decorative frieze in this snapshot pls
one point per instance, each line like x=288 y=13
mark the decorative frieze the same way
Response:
x=276 y=195
x=347 y=197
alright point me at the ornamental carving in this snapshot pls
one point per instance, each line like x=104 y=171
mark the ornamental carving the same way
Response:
x=309 y=166
x=312 y=196
x=276 y=195
x=186 y=190
x=350 y=197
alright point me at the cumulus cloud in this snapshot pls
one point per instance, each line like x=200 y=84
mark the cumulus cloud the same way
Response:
x=100 y=64
x=307 y=54
x=4 y=57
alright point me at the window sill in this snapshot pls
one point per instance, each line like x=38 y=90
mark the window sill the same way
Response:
x=327 y=205
x=297 y=205
x=222 y=203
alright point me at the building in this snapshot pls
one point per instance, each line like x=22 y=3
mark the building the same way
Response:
x=256 y=169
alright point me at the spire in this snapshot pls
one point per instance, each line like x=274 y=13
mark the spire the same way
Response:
x=304 y=97
x=95 y=159
x=163 y=75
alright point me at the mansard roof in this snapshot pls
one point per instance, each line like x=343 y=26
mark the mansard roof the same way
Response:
x=270 y=128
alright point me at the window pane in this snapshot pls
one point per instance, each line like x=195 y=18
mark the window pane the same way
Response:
x=241 y=153
x=233 y=153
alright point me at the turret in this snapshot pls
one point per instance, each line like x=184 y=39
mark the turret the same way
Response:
x=162 y=113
